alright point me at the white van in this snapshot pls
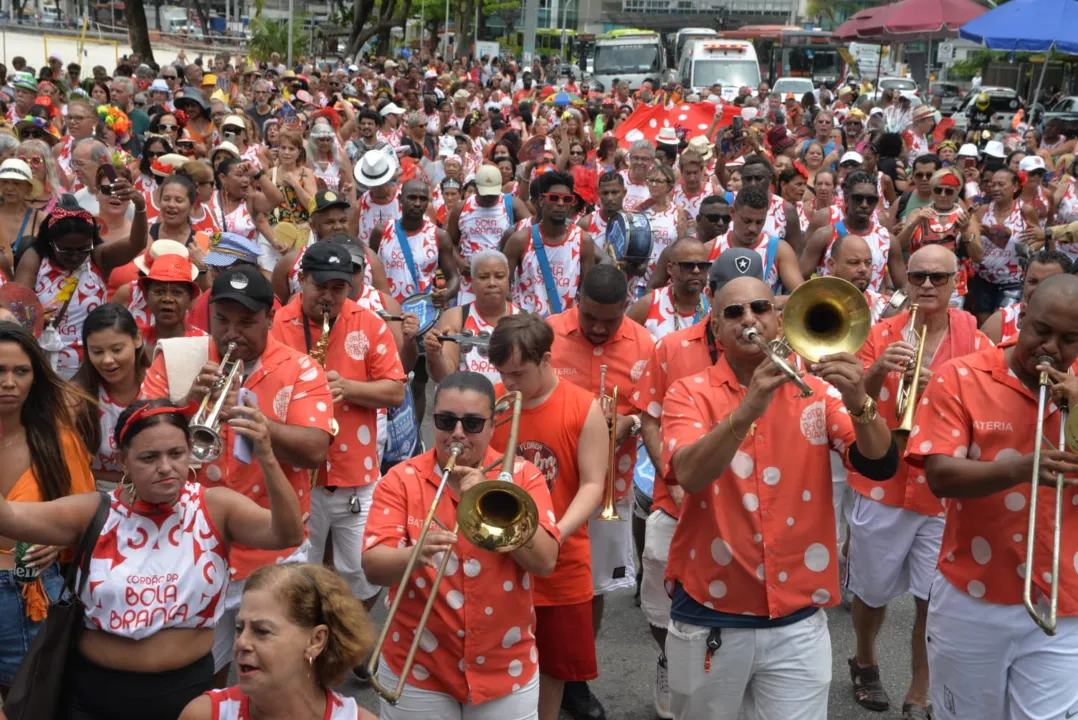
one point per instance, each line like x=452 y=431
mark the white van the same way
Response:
x=731 y=63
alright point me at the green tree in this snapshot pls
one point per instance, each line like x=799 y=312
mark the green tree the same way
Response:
x=267 y=36
x=832 y=13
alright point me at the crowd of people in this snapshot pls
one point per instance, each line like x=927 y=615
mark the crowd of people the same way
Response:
x=227 y=285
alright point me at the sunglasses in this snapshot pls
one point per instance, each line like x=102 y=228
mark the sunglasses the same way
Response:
x=948 y=191
x=689 y=266
x=72 y=252
x=716 y=218
x=859 y=199
x=170 y=77
x=559 y=199
x=32 y=135
x=33 y=161
x=167 y=128
x=186 y=144
x=917 y=278
x=447 y=422
x=922 y=176
x=737 y=310
x=850 y=164
x=105 y=189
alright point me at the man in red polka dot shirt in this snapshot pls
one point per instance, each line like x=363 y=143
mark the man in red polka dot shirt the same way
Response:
x=751 y=560
x=975 y=438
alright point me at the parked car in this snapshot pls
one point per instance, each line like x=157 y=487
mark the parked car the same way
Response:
x=797 y=86
x=1066 y=110
x=905 y=86
x=1003 y=104
x=950 y=95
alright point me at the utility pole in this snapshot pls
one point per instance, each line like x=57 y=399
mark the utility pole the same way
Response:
x=531 y=21
x=291 y=31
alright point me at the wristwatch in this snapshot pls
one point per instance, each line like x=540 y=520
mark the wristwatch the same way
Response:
x=867 y=414
x=634 y=428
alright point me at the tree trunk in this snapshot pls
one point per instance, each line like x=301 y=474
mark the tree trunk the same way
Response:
x=157 y=14
x=387 y=18
x=203 y=18
x=465 y=32
x=137 y=31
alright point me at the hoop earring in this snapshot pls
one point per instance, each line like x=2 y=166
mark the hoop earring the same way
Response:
x=125 y=482
x=193 y=473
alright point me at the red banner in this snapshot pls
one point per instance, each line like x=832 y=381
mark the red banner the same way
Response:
x=646 y=121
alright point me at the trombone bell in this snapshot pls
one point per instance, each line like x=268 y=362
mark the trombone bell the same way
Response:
x=824 y=316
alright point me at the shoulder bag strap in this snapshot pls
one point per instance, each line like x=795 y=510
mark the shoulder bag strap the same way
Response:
x=80 y=565
x=406 y=251
x=508 y=197
x=544 y=266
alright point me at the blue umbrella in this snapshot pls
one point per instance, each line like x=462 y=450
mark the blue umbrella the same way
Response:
x=1027 y=26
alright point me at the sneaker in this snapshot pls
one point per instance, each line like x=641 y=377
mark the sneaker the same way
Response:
x=662 y=689
x=579 y=702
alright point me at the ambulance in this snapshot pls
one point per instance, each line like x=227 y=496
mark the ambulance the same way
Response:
x=731 y=63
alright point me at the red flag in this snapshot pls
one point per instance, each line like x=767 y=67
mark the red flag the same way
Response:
x=646 y=121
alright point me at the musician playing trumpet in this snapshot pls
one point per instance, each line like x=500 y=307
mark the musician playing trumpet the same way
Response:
x=976 y=437
x=477 y=655
x=290 y=391
x=364 y=372
x=752 y=559
x=896 y=526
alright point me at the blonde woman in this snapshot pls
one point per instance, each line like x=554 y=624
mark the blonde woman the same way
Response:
x=294 y=178
x=38 y=156
x=324 y=156
x=18 y=218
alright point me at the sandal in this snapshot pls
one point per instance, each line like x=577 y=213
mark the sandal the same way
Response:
x=910 y=711
x=868 y=691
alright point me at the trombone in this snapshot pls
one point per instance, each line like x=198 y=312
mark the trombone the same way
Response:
x=495 y=515
x=206 y=442
x=906 y=395
x=1047 y=624
x=610 y=510
x=823 y=316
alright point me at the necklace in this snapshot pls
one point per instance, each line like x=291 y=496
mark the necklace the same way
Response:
x=701 y=311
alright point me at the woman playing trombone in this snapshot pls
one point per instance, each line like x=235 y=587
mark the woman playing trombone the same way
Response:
x=476 y=658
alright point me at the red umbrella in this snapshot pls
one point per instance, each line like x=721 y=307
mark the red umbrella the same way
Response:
x=925 y=19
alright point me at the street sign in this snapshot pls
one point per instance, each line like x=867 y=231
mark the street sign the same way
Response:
x=946 y=52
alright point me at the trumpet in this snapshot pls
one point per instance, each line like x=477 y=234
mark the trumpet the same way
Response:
x=906 y=395
x=206 y=443
x=318 y=354
x=496 y=515
x=1047 y=624
x=610 y=510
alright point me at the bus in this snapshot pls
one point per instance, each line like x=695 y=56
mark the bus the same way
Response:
x=790 y=51
x=548 y=42
x=629 y=55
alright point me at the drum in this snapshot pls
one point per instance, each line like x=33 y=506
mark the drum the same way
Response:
x=422 y=306
x=628 y=238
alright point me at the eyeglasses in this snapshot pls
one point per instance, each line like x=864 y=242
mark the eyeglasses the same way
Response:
x=689 y=266
x=167 y=128
x=72 y=252
x=948 y=191
x=471 y=424
x=576 y=152
x=917 y=278
x=922 y=176
x=656 y=181
x=737 y=310
x=716 y=218
x=33 y=161
x=559 y=199
x=859 y=199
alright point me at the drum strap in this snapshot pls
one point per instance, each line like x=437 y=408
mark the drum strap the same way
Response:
x=184 y=358
x=409 y=260
x=544 y=267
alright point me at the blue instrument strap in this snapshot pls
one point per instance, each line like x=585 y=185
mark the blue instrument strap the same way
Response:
x=772 y=251
x=406 y=251
x=544 y=266
x=507 y=198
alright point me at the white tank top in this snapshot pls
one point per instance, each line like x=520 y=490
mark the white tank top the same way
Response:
x=138 y=307
x=476 y=360
x=691 y=203
x=663 y=233
x=775 y=224
x=1066 y=213
x=635 y=194
x=238 y=221
x=528 y=288
x=597 y=229
x=107 y=457
x=372 y=215
x=89 y=292
x=157 y=569
x=879 y=244
x=232 y=704
x=1000 y=263
x=330 y=176
x=424 y=245
x=722 y=243
x=663 y=318
x=481 y=229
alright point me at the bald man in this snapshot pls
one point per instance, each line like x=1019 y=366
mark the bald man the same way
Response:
x=680 y=303
x=896 y=526
x=733 y=589
x=987 y=656
x=851 y=260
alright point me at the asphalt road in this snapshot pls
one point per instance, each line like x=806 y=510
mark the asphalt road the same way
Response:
x=627 y=654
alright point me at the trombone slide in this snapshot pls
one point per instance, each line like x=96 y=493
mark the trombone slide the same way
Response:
x=753 y=336
x=1047 y=624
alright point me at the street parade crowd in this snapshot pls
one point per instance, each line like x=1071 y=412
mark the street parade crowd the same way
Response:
x=810 y=351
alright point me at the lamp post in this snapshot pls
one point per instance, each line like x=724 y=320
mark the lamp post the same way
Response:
x=291 y=31
x=564 y=13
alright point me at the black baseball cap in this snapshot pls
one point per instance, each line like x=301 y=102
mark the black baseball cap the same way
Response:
x=325 y=261
x=327 y=199
x=732 y=264
x=246 y=285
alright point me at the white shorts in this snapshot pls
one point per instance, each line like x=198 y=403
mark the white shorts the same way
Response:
x=654 y=597
x=842 y=501
x=419 y=704
x=891 y=551
x=331 y=512
x=992 y=662
x=782 y=672
x=225 y=633
x=613 y=565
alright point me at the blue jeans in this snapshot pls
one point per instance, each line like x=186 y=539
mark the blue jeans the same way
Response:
x=16 y=629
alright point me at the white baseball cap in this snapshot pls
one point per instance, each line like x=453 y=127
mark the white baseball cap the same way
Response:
x=488 y=180
x=851 y=156
x=393 y=109
x=1032 y=163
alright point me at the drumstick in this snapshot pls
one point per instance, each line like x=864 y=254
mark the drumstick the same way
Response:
x=390 y=318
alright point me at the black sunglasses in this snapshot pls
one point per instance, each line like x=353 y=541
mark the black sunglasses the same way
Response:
x=859 y=199
x=949 y=192
x=917 y=278
x=447 y=422
x=716 y=218
x=737 y=310
x=689 y=266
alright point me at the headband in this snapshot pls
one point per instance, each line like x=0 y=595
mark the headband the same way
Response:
x=146 y=412
x=949 y=180
x=59 y=213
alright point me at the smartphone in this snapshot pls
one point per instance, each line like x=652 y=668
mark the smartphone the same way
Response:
x=243 y=449
x=110 y=172
x=739 y=126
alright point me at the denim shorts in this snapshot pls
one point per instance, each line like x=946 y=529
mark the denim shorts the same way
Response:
x=16 y=629
x=989 y=297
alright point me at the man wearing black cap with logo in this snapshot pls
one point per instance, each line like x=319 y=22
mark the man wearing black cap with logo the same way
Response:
x=680 y=354
x=289 y=389
x=365 y=374
x=328 y=217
